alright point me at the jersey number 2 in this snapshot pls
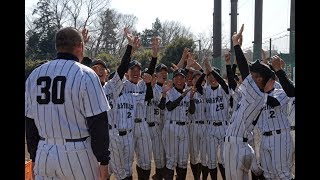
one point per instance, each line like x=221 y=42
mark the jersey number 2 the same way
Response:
x=57 y=95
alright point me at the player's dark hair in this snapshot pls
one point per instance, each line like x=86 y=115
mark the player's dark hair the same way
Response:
x=67 y=38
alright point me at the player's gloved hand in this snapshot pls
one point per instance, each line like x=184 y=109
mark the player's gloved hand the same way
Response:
x=104 y=173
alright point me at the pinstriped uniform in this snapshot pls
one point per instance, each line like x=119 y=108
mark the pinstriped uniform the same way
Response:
x=174 y=136
x=236 y=94
x=122 y=146
x=141 y=135
x=291 y=118
x=198 y=132
x=112 y=89
x=65 y=93
x=153 y=115
x=276 y=150
x=217 y=106
x=237 y=154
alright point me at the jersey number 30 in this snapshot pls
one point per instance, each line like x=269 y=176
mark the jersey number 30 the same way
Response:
x=57 y=95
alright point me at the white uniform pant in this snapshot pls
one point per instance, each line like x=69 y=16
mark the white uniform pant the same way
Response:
x=214 y=142
x=157 y=145
x=121 y=157
x=57 y=159
x=142 y=145
x=198 y=143
x=176 y=144
x=276 y=155
x=238 y=157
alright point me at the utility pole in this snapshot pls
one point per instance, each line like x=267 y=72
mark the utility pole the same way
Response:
x=292 y=30
x=270 y=48
x=257 y=43
x=233 y=14
x=217 y=34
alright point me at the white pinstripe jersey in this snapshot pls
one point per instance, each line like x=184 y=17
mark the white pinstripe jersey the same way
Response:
x=129 y=87
x=139 y=88
x=247 y=109
x=127 y=105
x=112 y=89
x=217 y=104
x=291 y=111
x=153 y=112
x=59 y=96
x=277 y=85
x=200 y=112
x=275 y=118
x=180 y=113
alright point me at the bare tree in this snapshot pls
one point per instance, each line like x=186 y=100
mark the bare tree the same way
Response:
x=82 y=12
x=59 y=8
x=172 y=29
x=124 y=20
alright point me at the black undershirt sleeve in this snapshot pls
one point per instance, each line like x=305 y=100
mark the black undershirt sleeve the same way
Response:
x=241 y=61
x=32 y=137
x=173 y=104
x=192 y=107
x=220 y=81
x=152 y=66
x=232 y=83
x=162 y=104
x=123 y=67
x=286 y=84
x=199 y=82
x=98 y=130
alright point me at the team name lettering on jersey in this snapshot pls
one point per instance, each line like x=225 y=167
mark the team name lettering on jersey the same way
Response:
x=217 y=99
x=125 y=106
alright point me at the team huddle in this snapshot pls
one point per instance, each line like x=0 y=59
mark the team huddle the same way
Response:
x=84 y=123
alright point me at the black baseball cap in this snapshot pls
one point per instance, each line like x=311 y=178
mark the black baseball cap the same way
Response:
x=134 y=63
x=179 y=71
x=263 y=69
x=86 y=61
x=160 y=67
x=95 y=62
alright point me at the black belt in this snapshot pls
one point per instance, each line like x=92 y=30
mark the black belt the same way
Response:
x=293 y=128
x=218 y=123
x=123 y=133
x=151 y=124
x=227 y=139
x=137 y=120
x=198 y=122
x=181 y=123
x=270 y=133
x=69 y=140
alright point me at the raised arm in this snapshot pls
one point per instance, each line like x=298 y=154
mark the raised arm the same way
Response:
x=241 y=59
x=230 y=74
x=155 y=49
x=216 y=76
x=133 y=43
x=286 y=84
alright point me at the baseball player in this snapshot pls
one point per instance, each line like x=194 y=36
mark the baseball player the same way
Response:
x=126 y=107
x=66 y=115
x=238 y=154
x=198 y=130
x=175 y=136
x=112 y=89
x=289 y=88
x=276 y=143
x=155 y=123
x=141 y=135
x=217 y=100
